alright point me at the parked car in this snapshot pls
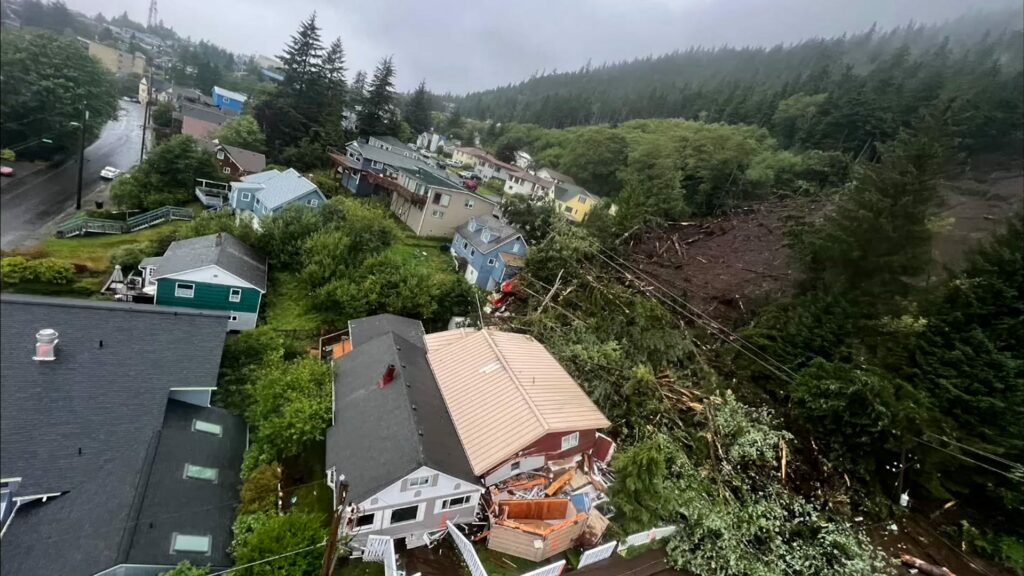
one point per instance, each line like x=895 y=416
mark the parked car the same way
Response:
x=109 y=173
x=6 y=171
x=455 y=163
x=470 y=183
x=466 y=174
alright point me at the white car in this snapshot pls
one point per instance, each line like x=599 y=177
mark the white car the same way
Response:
x=109 y=173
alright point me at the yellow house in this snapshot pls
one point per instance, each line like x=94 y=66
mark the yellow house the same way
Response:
x=118 y=62
x=574 y=202
x=468 y=156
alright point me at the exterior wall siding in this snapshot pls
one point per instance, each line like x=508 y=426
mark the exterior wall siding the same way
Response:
x=549 y=447
x=487 y=275
x=454 y=215
x=207 y=297
x=302 y=201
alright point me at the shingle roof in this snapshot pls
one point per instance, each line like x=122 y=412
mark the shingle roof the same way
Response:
x=246 y=159
x=280 y=187
x=432 y=178
x=85 y=424
x=382 y=434
x=499 y=231
x=206 y=114
x=385 y=156
x=558 y=175
x=504 y=391
x=222 y=250
x=230 y=94
x=363 y=330
x=169 y=493
x=565 y=192
x=390 y=140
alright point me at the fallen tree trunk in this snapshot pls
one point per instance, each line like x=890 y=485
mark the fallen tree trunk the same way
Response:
x=929 y=569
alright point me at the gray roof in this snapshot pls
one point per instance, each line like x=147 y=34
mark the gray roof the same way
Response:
x=206 y=114
x=558 y=175
x=381 y=435
x=169 y=493
x=278 y=188
x=222 y=250
x=246 y=159
x=498 y=230
x=390 y=140
x=230 y=94
x=566 y=192
x=363 y=330
x=385 y=156
x=86 y=424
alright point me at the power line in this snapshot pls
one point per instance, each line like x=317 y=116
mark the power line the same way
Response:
x=292 y=553
x=976 y=451
x=965 y=458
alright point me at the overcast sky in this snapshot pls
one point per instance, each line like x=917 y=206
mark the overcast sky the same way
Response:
x=478 y=44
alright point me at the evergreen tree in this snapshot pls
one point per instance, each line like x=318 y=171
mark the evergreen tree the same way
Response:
x=378 y=115
x=417 y=113
x=334 y=98
x=303 y=58
x=358 y=89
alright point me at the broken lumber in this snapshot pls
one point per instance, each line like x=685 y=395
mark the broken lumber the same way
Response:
x=929 y=569
x=561 y=481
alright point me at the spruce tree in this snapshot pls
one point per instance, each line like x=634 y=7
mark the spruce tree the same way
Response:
x=358 y=89
x=303 y=58
x=417 y=113
x=378 y=116
x=335 y=90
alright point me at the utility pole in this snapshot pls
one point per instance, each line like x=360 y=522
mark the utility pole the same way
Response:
x=145 y=114
x=330 y=551
x=81 y=158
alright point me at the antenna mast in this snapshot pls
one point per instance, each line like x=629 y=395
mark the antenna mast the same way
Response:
x=152 y=20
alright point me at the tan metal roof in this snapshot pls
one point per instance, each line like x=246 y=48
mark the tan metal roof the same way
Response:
x=504 y=391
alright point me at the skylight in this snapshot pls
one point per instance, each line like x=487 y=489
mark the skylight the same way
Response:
x=190 y=543
x=207 y=427
x=200 y=473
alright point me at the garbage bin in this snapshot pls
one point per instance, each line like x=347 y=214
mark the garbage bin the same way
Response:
x=99 y=205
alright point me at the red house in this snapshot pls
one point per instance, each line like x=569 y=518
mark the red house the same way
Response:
x=513 y=405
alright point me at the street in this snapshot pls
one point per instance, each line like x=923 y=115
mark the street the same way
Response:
x=32 y=202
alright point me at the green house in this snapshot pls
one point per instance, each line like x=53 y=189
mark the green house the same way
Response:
x=215 y=272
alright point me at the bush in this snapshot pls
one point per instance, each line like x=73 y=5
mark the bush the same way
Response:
x=259 y=491
x=128 y=257
x=185 y=568
x=14 y=269
x=17 y=269
x=7 y=155
x=262 y=535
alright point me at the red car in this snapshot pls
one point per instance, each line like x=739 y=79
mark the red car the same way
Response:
x=6 y=171
x=470 y=184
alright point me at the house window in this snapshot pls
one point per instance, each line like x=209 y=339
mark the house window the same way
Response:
x=375 y=164
x=183 y=290
x=246 y=196
x=470 y=203
x=365 y=520
x=190 y=543
x=568 y=209
x=220 y=154
x=193 y=472
x=402 y=515
x=446 y=199
x=515 y=247
x=233 y=318
x=457 y=502
x=235 y=295
x=419 y=481
x=439 y=214
x=570 y=441
x=583 y=200
x=465 y=245
x=515 y=466
x=207 y=427
x=490 y=261
x=313 y=202
x=226 y=170
x=472 y=252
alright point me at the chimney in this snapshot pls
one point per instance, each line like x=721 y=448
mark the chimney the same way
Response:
x=389 y=375
x=46 y=345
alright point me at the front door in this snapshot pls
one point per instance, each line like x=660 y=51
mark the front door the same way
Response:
x=471 y=274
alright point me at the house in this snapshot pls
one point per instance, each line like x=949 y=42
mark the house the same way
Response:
x=202 y=122
x=526 y=184
x=468 y=156
x=431 y=141
x=272 y=75
x=269 y=192
x=431 y=204
x=228 y=99
x=237 y=162
x=117 y=61
x=391 y=440
x=557 y=177
x=108 y=438
x=489 y=167
x=213 y=272
x=392 y=144
x=574 y=202
x=158 y=88
x=488 y=251
x=545 y=415
x=522 y=159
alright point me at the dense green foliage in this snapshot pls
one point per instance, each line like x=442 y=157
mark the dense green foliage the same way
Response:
x=242 y=132
x=50 y=82
x=843 y=93
x=166 y=177
x=260 y=490
x=185 y=568
x=18 y=269
x=289 y=405
x=263 y=535
x=379 y=114
x=417 y=109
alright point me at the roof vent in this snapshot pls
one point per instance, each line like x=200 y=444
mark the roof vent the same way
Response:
x=46 y=345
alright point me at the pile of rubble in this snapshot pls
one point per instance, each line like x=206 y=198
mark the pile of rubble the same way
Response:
x=538 y=514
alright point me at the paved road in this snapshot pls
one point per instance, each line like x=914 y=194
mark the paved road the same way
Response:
x=29 y=206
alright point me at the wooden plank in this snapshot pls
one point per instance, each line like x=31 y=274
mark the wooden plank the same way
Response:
x=561 y=481
x=535 y=509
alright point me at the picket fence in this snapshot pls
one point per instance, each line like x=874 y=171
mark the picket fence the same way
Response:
x=646 y=537
x=476 y=567
x=595 y=555
x=382 y=549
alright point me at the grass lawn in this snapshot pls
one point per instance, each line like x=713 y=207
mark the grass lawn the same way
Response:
x=498 y=564
x=93 y=252
x=413 y=249
x=285 y=304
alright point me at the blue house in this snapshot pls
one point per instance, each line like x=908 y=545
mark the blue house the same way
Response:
x=382 y=155
x=265 y=193
x=490 y=251
x=228 y=99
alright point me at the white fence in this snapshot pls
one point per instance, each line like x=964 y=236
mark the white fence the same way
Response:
x=476 y=568
x=647 y=536
x=382 y=549
x=595 y=555
x=549 y=570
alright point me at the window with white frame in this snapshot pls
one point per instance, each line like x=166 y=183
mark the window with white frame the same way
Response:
x=226 y=170
x=195 y=472
x=233 y=318
x=220 y=154
x=568 y=210
x=457 y=502
x=376 y=164
x=207 y=427
x=570 y=441
x=583 y=199
x=446 y=199
x=491 y=261
x=246 y=196
x=314 y=202
x=515 y=247
x=419 y=481
x=470 y=203
x=465 y=245
x=235 y=295
x=515 y=466
x=365 y=521
x=183 y=290
x=404 y=515
x=192 y=543
x=439 y=214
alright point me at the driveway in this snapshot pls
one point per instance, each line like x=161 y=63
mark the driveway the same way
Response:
x=30 y=205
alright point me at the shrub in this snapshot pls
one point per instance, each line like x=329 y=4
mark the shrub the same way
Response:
x=51 y=271
x=259 y=491
x=128 y=257
x=262 y=535
x=14 y=269
x=7 y=155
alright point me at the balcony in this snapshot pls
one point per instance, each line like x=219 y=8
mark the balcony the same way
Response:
x=398 y=189
x=213 y=194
